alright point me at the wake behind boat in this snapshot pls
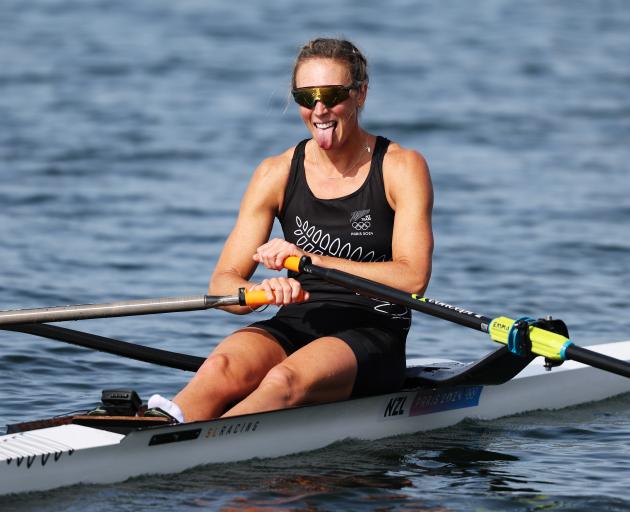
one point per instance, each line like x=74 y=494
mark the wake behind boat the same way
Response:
x=119 y=444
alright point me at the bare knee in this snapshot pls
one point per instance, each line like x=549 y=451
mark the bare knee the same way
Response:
x=284 y=383
x=225 y=369
x=216 y=365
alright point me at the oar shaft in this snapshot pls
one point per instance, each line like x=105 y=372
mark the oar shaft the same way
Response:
x=112 y=346
x=112 y=309
x=597 y=360
x=130 y=308
x=377 y=290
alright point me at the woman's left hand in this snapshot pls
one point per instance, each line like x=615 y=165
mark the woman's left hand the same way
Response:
x=273 y=253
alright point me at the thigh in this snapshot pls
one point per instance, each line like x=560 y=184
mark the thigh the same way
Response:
x=325 y=369
x=381 y=359
x=377 y=341
x=251 y=353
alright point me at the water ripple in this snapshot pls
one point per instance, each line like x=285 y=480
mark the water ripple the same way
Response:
x=129 y=131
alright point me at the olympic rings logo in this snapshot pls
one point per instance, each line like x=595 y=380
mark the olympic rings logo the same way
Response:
x=361 y=226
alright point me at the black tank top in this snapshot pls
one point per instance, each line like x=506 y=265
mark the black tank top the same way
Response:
x=357 y=226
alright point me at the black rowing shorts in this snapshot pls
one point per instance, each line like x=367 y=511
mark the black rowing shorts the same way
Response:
x=377 y=339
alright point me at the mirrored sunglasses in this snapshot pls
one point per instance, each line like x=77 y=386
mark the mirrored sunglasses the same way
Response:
x=329 y=95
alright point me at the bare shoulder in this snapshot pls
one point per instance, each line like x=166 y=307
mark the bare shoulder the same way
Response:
x=270 y=178
x=403 y=160
x=405 y=171
x=274 y=168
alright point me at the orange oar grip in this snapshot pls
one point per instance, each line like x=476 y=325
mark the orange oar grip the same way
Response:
x=256 y=298
x=292 y=263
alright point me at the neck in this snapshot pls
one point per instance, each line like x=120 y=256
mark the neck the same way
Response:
x=342 y=162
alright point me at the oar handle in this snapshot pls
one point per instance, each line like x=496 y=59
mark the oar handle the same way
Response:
x=255 y=298
x=296 y=264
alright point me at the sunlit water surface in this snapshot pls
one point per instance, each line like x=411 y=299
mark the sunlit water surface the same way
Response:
x=128 y=131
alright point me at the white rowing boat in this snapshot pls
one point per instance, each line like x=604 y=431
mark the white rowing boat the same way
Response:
x=85 y=449
x=73 y=453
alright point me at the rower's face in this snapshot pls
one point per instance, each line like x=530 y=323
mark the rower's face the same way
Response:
x=341 y=118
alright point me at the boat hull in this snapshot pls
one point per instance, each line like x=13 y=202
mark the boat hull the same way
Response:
x=71 y=454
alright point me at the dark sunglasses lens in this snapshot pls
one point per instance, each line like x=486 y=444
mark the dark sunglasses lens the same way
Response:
x=306 y=98
x=329 y=96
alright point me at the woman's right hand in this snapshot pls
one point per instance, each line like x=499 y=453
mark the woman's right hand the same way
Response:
x=282 y=290
x=273 y=253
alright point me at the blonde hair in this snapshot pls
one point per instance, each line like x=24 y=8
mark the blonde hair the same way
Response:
x=335 y=49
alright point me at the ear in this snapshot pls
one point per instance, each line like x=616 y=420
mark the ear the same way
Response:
x=362 y=95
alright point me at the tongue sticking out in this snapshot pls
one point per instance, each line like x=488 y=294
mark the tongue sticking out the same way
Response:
x=324 y=136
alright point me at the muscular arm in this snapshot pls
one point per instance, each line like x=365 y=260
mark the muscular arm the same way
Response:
x=410 y=193
x=258 y=208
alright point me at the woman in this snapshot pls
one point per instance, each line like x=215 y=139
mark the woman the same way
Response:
x=349 y=200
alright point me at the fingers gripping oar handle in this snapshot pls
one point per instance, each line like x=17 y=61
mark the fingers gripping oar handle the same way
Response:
x=526 y=337
x=132 y=308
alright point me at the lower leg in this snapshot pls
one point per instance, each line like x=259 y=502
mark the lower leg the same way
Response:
x=272 y=394
x=233 y=370
x=209 y=391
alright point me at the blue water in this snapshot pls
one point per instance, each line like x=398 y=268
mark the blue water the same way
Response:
x=128 y=131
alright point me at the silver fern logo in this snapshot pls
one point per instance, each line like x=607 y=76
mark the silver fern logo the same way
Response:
x=316 y=240
x=358 y=214
x=361 y=221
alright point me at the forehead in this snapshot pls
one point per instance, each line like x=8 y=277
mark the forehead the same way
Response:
x=313 y=72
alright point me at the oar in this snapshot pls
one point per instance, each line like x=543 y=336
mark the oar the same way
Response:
x=522 y=336
x=112 y=346
x=131 y=308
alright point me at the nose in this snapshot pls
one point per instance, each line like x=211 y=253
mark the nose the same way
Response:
x=319 y=108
